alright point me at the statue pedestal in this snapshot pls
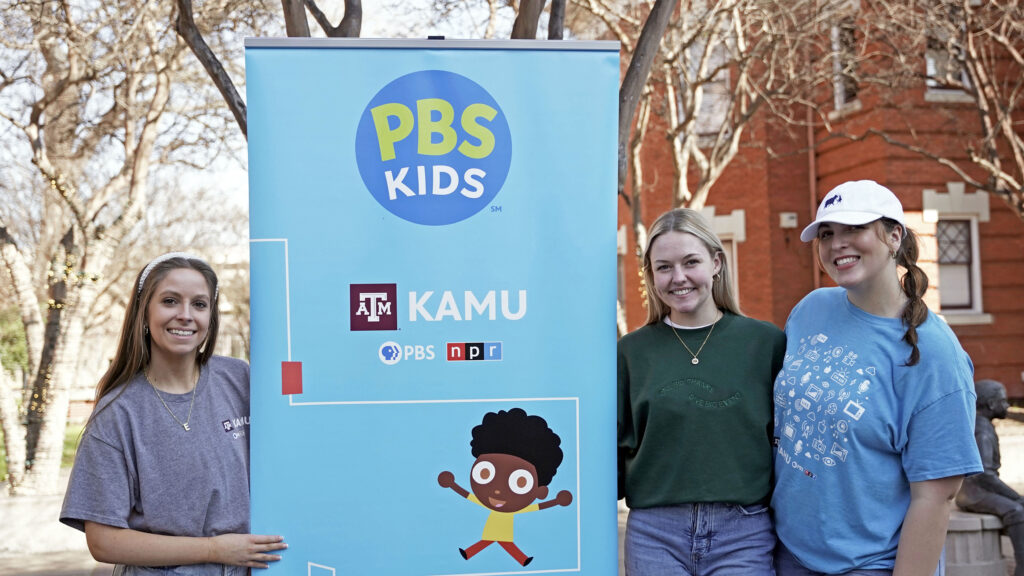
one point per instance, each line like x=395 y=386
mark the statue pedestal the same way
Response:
x=972 y=545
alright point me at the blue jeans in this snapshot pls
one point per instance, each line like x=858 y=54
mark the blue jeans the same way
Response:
x=787 y=565
x=704 y=539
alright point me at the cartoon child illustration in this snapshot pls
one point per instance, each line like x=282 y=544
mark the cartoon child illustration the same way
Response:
x=517 y=455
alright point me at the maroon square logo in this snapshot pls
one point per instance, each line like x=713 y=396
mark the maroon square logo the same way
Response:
x=373 y=306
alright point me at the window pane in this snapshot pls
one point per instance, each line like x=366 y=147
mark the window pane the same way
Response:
x=954 y=286
x=954 y=239
x=954 y=243
x=844 y=47
x=734 y=274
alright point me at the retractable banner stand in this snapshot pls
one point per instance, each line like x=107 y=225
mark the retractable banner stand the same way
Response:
x=433 y=253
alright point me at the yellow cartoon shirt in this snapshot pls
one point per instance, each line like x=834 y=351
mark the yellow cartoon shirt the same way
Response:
x=498 y=527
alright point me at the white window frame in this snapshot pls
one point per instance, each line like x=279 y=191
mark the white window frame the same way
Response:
x=715 y=96
x=842 y=105
x=620 y=267
x=956 y=204
x=731 y=229
x=936 y=92
x=973 y=271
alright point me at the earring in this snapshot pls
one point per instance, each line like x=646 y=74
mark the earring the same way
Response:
x=716 y=277
x=145 y=328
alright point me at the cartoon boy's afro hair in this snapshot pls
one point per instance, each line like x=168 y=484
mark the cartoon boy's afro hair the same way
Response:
x=523 y=436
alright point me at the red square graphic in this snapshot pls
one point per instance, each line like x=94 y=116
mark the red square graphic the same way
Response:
x=291 y=378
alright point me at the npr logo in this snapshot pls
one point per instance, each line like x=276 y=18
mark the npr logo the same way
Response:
x=373 y=307
x=458 y=351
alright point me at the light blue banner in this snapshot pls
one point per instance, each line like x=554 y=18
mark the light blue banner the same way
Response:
x=433 y=305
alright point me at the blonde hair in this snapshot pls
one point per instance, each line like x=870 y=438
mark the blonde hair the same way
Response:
x=690 y=222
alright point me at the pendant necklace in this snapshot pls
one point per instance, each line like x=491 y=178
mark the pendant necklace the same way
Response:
x=695 y=361
x=195 y=385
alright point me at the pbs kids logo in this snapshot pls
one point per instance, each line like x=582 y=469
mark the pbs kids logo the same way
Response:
x=433 y=147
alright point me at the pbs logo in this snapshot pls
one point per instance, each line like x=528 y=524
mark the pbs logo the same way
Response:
x=390 y=353
x=433 y=147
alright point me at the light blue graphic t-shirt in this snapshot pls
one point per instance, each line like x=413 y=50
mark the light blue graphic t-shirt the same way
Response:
x=855 y=426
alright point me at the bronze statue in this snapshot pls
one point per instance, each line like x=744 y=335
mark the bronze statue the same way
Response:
x=986 y=492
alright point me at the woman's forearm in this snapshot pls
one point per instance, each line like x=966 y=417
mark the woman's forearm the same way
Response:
x=924 y=527
x=133 y=547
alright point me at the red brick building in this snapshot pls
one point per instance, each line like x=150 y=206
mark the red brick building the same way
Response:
x=972 y=243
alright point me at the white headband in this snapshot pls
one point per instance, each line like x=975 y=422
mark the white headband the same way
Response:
x=149 y=267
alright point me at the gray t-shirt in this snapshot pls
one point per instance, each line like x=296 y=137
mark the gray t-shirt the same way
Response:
x=138 y=468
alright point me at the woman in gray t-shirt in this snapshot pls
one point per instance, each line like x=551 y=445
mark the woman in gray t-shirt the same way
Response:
x=160 y=483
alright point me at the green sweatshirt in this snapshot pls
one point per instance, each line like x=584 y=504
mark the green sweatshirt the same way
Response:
x=697 y=433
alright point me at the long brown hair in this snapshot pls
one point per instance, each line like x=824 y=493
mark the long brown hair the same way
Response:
x=133 y=347
x=690 y=222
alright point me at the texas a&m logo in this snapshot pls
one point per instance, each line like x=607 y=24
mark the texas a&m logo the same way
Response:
x=373 y=306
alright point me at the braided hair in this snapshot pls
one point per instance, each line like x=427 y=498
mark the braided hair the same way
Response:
x=914 y=283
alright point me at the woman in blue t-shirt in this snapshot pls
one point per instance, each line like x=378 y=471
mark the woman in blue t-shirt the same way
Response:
x=874 y=406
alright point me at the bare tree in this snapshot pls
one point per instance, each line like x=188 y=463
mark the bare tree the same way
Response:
x=969 y=54
x=716 y=67
x=296 y=24
x=94 y=99
x=641 y=54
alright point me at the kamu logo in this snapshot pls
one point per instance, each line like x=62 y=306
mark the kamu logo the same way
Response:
x=424 y=305
x=433 y=147
x=235 y=426
x=373 y=307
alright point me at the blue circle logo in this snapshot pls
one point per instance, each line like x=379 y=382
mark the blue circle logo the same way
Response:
x=390 y=353
x=433 y=147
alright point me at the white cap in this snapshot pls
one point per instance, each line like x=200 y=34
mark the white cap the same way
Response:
x=855 y=203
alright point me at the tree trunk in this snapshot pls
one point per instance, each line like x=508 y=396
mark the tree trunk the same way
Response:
x=21 y=280
x=14 y=432
x=44 y=475
x=352 y=22
x=636 y=75
x=556 y=22
x=35 y=406
x=295 y=18
x=525 y=26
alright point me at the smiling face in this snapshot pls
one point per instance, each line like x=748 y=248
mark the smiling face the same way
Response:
x=858 y=258
x=505 y=483
x=683 y=271
x=178 y=315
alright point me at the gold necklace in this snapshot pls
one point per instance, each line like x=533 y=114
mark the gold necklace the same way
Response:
x=695 y=361
x=195 y=385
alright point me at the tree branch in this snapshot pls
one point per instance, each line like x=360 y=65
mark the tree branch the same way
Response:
x=637 y=73
x=350 y=24
x=186 y=28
